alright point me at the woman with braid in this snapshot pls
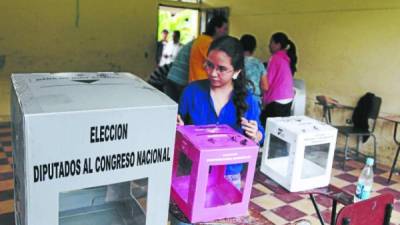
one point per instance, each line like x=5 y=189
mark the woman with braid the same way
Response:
x=224 y=97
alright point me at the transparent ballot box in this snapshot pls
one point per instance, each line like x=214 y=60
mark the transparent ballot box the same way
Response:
x=212 y=172
x=298 y=152
x=116 y=204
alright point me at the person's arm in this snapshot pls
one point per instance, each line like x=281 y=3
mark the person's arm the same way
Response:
x=251 y=124
x=264 y=83
x=179 y=121
x=250 y=128
x=271 y=72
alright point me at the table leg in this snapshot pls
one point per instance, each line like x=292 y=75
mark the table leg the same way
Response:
x=329 y=116
x=321 y=220
x=394 y=164
x=333 y=214
x=397 y=153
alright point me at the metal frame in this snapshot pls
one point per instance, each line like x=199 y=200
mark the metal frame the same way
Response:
x=397 y=152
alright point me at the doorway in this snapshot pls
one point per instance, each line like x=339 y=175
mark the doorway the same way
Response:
x=182 y=19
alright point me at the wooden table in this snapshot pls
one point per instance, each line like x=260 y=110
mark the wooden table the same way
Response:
x=328 y=104
x=396 y=120
x=255 y=218
x=332 y=192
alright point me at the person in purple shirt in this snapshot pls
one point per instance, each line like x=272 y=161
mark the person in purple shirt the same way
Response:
x=277 y=84
x=224 y=97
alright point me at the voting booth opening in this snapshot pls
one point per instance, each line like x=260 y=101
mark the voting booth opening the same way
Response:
x=298 y=152
x=213 y=172
x=121 y=203
x=91 y=148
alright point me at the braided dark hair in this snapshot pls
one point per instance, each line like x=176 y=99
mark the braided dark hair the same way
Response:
x=233 y=48
x=287 y=44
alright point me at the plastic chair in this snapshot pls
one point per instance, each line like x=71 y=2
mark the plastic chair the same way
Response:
x=359 y=133
x=373 y=211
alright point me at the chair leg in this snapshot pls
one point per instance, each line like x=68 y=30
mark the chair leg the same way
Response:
x=321 y=219
x=329 y=116
x=388 y=214
x=325 y=114
x=394 y=164
x=373 y=136
x=358 y=147
x=345 y=152
x=333 y=213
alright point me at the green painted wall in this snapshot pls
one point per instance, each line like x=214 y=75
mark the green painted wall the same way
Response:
x=43 y=36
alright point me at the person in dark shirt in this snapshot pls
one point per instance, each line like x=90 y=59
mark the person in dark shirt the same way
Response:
x=160 y=45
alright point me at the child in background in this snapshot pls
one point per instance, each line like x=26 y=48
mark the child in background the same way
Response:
x=253 y=66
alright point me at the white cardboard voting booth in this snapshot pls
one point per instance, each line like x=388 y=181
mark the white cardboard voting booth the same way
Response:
x=298 y=152
x=91 y=148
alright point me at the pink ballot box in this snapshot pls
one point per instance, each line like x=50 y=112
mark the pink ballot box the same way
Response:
x=213 y=172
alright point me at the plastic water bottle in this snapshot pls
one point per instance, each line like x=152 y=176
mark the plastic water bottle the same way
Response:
x=365 y=181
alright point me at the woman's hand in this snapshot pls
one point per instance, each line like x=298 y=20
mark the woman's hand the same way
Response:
x=250 y=128
x=179 y=120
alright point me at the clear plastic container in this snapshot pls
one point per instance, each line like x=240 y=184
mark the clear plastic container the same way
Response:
x=365 y=181
x=116 y=204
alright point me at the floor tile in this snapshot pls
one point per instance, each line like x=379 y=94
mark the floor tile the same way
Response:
x=289 y=213
x=268 y=202
x=383 y=181
x=305 y=205
x=392 y=191
x=256 y=193
x=277 y=220
x=351 y=189
x=339 y=182
x=322 y=200
x=6 y=206
x=262 y=188
x=5 y=168
x=6 y=195
x=6 y=176
x=288 y=198
x=7 y=219
x=311 y=219
x=348 y=177
x=6 y=185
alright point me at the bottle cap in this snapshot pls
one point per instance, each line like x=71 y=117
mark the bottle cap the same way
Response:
x=370 y=161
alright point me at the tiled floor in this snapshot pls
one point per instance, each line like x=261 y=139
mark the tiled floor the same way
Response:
x=270 y=202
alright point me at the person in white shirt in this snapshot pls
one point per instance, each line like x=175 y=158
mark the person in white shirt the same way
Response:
x=160 y=45
x=171 y=49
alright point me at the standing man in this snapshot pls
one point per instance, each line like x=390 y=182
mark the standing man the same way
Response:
x=160 y=45
x=216 y=27
x=171 y=49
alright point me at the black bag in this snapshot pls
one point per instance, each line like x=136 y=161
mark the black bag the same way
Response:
x=361 y=113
